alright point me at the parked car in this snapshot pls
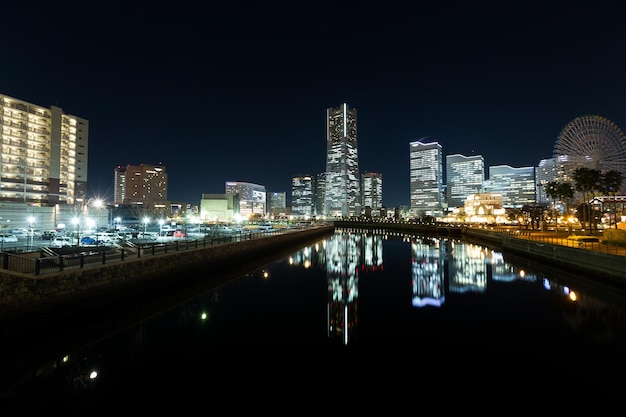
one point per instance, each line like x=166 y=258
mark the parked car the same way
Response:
x=88 y=241
x=61 y=241
x=48 y=234
x=222 y=229
x=266 y=226
x=7 y=237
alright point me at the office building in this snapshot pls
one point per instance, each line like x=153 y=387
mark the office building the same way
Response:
x=252 y=198
x=426 y=178
x=44 y=154
x=343 y=180
x=302 y=195
x=546 y=172
x=277 y=203
x=320 y=193
x=517 y=185
x=140 y=184
x=372 y=200
x=464 y=177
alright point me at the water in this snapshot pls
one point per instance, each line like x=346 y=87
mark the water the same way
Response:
x=360 y=319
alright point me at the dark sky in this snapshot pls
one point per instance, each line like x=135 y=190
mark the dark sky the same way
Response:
x=237 y=91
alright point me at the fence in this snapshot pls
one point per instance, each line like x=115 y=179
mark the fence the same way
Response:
x=81 y=257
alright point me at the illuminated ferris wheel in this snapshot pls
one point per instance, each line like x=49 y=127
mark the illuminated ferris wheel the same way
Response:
x=592 y=142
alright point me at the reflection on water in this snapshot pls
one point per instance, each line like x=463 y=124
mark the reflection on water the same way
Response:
x=400 y=293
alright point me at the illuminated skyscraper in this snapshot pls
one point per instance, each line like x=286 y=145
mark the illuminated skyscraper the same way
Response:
x=426 y=178
x=302 y=195
x=372 y=193
x=343 y=180
x=464 y=176
x=44 y=154
x=517 y=185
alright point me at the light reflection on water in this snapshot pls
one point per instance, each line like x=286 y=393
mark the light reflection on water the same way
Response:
x=360 y=302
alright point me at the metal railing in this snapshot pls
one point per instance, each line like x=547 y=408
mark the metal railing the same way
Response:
x=82 y=257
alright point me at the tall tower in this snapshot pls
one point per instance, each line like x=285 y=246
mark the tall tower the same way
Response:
x=343 y=181
x=426 y=178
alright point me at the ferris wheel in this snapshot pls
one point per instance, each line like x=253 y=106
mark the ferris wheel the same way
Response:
x=592 y=142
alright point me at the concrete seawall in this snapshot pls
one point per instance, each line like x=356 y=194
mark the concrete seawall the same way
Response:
x=603 y=268
x=203 y=267
x=600 y=267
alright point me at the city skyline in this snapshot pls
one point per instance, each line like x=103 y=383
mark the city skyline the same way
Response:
x=240 y=94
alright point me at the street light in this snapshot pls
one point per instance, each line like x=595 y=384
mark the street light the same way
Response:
x=76 y=223
x=31 y=220
x=161 y=221
x=146 y=220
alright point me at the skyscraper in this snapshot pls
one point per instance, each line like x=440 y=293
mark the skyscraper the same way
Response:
x=517 y=185
x=426 y=178
x=303 y=195
x=464 y=176
x=343 y=180
x=372 y=193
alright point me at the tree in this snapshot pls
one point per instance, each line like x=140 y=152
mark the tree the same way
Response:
x=561 y=191
x=611 y=183
x=587 y=182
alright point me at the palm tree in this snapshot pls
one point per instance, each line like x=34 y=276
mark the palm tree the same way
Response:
x=587 y=182
x=563 y=191
x=611 y=183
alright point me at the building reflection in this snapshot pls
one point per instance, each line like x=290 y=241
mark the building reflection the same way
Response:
x=427 y=272
x=442 y=271
x=343 y=258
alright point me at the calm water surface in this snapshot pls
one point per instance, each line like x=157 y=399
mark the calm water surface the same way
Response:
x=360 y=316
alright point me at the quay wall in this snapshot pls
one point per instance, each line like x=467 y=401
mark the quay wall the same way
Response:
x=604 y=267
x=599 y=266
x=21 y=293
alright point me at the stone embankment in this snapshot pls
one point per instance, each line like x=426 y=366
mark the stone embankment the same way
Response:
x=600 y=266
x=196 y=269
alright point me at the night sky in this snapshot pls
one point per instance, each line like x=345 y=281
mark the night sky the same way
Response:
x=237 y=91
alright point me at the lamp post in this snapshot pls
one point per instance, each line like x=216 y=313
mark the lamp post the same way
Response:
x=161 y=221
x=31 y=220
x=76 y=223
x=146 y=220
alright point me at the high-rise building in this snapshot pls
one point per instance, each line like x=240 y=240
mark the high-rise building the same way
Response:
x=140 y=184
x=343 y=180
x=320 y=193
x=517 y=185
x=44 y=154
x=546 y=171
x=464 y=177
x=372 y=186
x=302 y=195
x=277 y=203
x=426 y=178
x=252 y=197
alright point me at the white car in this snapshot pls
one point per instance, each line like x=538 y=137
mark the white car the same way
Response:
x=7 y=237
x=61 y=241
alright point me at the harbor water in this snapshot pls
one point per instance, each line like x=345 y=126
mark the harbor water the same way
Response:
x=365 y=316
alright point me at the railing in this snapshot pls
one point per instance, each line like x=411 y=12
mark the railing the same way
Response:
x=82 y=257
